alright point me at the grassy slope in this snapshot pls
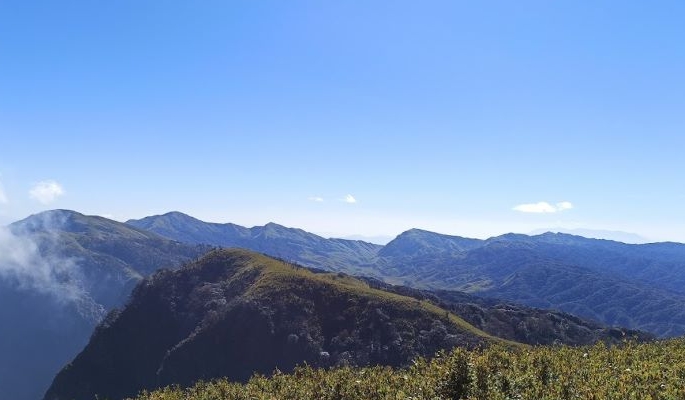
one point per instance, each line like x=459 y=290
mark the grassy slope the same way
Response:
x=277 y=277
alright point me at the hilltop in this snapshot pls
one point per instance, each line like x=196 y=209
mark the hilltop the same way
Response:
x=234 y=312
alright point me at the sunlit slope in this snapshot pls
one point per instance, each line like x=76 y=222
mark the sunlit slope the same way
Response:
x=235 y=312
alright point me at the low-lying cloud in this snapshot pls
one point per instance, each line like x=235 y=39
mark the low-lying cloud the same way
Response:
x=543 y=207
x=33 y=263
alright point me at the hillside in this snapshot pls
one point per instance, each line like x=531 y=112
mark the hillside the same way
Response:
x=516 y=322
x=65 y=270
x=234 y=312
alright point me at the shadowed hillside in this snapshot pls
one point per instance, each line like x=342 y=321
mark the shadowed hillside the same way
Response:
x=60 y=273
x=234 y=313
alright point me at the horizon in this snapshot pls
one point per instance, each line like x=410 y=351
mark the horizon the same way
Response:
x=348 y=119
x=617 y=236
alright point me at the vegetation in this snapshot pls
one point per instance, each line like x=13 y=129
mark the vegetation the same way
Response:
x=616 y=284
x=631 y=371
x=235 y=312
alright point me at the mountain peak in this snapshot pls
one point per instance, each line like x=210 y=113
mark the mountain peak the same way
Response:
x=53 y=215
x=58 y=220
x=617 y=236
x=177 y=214
x=415 y=242
x=166 y=218
x=273 y=225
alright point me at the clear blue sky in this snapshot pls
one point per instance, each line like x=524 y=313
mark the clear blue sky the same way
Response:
x=442 y=115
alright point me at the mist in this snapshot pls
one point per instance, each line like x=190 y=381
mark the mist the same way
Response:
x=29 y=263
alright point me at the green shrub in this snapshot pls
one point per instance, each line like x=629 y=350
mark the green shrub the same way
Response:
x=631 y=371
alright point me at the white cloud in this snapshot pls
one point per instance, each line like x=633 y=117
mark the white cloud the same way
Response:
x=46 y=191
x=27 y=263
x=543 y=207
x=564 y=205
x=350 y=199
x=316 y=199
x=3 y=196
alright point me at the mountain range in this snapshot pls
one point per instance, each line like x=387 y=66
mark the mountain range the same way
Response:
x=636 y=286
x=61 y=272
x=351 y=256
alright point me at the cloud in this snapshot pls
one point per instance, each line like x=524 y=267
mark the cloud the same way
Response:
x=349 y=199
x=564 y=205
x=3 y=196
x=46 y=191
x=543 y=207
x=36 y=263
x=316 y=199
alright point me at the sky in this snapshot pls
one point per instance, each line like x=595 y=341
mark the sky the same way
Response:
x=348 y=118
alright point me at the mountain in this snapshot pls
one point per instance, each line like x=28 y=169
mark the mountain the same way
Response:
x=417 y=242
x=638 y=286
x=235 y=312
x=618 y=236
x=60 y=272
x=296 y=245
x=380 y=239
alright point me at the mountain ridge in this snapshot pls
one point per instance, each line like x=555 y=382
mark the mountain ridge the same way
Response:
x=292 y=244
x=550 y=270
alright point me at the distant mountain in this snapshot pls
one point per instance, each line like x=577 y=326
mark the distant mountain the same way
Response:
x=619 y=236
x=352 y=256
x=417 y=242
x=61 y=272
x=235 y=312
x=380 y=240
x=638 y=286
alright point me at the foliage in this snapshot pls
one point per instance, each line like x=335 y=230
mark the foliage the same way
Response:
x=234 y=312
x=617 y=284
x=629 y=371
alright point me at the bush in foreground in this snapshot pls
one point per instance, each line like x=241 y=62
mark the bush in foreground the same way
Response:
x=631 y=371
